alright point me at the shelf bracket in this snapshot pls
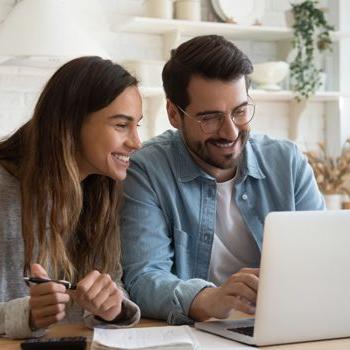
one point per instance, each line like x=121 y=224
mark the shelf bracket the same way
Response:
x=171 y=40
x=154 y=108
x=296 y=111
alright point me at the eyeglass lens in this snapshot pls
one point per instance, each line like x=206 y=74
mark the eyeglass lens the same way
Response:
x=212 y=122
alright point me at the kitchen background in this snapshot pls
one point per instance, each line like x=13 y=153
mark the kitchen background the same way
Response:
x=122 y=33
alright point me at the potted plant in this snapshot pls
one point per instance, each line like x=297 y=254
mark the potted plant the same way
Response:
x=311 y=35
x=332 y=174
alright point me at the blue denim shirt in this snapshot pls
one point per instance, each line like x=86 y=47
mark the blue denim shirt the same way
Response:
x=168 y=218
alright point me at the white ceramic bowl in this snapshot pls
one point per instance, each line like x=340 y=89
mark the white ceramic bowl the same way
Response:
x=267 y=75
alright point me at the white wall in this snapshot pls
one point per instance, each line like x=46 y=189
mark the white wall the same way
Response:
x=20 y=86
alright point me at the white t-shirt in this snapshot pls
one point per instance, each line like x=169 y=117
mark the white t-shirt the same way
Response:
x=234 y=247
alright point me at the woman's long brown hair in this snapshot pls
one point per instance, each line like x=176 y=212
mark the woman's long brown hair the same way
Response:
x=68 y=226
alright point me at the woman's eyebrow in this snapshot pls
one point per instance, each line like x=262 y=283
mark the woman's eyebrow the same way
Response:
x=124 y=116
x=121 y=116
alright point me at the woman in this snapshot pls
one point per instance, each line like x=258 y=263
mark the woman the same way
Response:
x=60 y=192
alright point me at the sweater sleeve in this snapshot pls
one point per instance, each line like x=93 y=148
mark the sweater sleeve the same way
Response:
x=130 y=315
x=14 y=319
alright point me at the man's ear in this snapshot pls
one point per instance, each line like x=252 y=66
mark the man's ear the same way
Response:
x=173 y=115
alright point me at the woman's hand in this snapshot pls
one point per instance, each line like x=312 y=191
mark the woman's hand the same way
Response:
x=47 y=300
x=98 y=294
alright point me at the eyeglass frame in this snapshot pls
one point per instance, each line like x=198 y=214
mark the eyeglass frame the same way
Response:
x=231 y=115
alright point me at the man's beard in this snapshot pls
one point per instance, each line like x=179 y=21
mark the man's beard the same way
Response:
x=232 y=160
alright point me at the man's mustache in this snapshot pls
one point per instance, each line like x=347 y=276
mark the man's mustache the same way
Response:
x=241 y=135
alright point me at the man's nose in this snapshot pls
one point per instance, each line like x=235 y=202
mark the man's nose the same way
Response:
x=228 y=129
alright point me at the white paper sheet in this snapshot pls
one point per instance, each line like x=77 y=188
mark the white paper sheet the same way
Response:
x=168 y=337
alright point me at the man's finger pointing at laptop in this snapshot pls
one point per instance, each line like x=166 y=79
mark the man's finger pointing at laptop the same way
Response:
x=238 y=292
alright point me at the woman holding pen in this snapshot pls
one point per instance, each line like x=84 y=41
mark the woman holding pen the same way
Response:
x=60 y=193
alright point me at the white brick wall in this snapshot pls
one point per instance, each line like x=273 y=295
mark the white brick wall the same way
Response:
x=19 y=87
x=19 y=90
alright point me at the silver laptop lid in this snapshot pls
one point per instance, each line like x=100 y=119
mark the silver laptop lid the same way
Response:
x=304 y=289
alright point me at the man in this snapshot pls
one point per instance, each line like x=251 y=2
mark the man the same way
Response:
x=196 y=198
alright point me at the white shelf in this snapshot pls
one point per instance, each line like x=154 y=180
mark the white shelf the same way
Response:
x=261 y=95
x=340 y=35
x=192 y=28
x=283 y=95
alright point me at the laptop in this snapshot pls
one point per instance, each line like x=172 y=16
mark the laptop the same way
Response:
x=304 y=285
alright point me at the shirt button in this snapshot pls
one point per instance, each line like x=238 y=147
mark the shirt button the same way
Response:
x=206 y=237
x=244 y=197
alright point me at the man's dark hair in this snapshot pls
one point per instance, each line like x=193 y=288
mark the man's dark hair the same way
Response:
x=209 y=56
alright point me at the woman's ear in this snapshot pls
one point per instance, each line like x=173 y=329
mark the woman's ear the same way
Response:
x=173 y=115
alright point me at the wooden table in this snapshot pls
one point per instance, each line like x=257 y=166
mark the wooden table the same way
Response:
x=64 y=330
x=70 y=330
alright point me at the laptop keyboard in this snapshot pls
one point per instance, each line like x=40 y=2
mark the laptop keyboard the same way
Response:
x=249 y=331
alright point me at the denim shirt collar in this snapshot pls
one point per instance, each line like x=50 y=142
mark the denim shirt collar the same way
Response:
x=252 y=167
x=187 y=170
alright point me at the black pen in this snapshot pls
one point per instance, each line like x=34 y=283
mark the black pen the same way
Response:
x=38 y=280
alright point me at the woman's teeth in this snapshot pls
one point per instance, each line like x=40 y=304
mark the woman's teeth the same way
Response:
x=121 y=157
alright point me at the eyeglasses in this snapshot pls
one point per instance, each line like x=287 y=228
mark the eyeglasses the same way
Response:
x=212 y=122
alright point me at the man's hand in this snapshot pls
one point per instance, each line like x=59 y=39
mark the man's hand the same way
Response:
x=98 y=294
x=239 y=292
x=47 y=300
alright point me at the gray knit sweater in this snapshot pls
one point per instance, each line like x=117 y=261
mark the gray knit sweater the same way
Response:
x=14 y=299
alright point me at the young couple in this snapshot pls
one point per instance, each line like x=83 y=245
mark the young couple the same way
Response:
x=194 y=205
